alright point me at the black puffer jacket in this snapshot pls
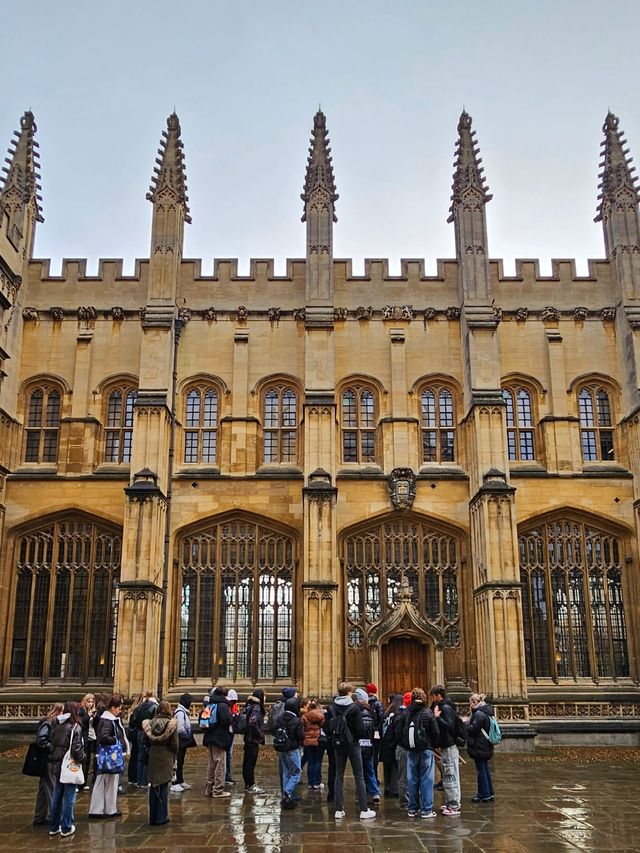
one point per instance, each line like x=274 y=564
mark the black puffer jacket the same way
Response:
x=478 y=745
x=447 y=723
x=61 y=739
x=293 y=723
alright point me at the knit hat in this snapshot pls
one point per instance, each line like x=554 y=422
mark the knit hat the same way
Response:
x=232 y=696
x=289 y=692
x=361 y=695
x=186 y=699
x=205 y=699
x=371 y=689
x=406 y=701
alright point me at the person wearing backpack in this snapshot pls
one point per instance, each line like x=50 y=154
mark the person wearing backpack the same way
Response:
x=448 y=722
x=420 y=736
x=388 y=747
x=46 y=782
x=66 y=737
x=313 y=720
x=232 y=701
x=185 y=741
x=479 y=745
x=377 y=712
x=369 y=727
x=345 y=731
x=287 y=741
x=253 y=735
x=217 y=731
x=146 y=710
x=401 y=753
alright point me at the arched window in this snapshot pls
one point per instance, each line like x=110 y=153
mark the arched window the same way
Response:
x=65 y=608
x=438 y=422
x=43 y=424
x=520 y=423
x=118 y=433
x=201 y=425
x=280 y=424
x=596 y=424
x=574 y=620
x=358 y=425
x=376 y=560
x=236 y=611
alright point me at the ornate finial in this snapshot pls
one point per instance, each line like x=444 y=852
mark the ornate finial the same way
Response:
x=22 y=176
x=170 y=169
x=405 y=592
x=617 y=180
x=319 y=169
x=468 y=171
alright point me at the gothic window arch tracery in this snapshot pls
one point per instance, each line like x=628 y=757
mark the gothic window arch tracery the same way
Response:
x=118 y=430
x=42 y=422
x=201 y=421
x=280 y=419
x=520 y=416
x=358 y=415
x=597 y=424
x=438 y=423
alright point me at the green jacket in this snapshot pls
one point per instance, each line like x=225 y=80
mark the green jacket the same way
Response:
x=162 y=734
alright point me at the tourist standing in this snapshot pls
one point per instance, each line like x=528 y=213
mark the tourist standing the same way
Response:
x=67 y=735
x=162 y=733
x=46 y=783
x=112 y=747
x=401 y=752
x=145 y=711
x=369 y=727
x=216 y=739
x=132 y=737
x=232 y=699
x=377 y=712
x=313 y=720
x=87 y=713
x=479 y=746
x=345 y=731
x=447 y=717
x=185 y=741
x=420 y=736
x=289 y=756
x=388 y=747
x=253 y=739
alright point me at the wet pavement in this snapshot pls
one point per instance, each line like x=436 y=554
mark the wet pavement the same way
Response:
x=548 y=803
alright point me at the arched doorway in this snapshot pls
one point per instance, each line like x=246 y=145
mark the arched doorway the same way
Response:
x=406 y=663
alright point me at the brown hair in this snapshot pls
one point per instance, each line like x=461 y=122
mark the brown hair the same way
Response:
x=418 y=695
x=73 y=709
x=164 y=709
x=345 y=689
x=115 y=701
x=56 y=709
x=438 y=690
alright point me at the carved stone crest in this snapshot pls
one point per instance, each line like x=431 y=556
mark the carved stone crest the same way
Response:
x=340 y=313
x=29 y=314
x=57 y=313
x=402 y=488
x=522 y=314
x=608 y=313
x=299 y=313
x=242 y=312
x=87 y=312
x=210 y=314
x=184 y=314
x=117 y=312
x=580 y=313
x=274 y=314
x=453 y=312
x=398 y=312
x=550 y=313
x=363 y=313
x=429 y=314
x=497 y=313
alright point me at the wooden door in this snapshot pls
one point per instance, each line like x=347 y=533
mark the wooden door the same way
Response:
x=405 y=665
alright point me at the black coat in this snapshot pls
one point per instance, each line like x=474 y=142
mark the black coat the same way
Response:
x=61 y=740
x=479 y=746
x=427 y=721
x=294 y=727
x=447 y=723
x=255 y=723
x=220 y=734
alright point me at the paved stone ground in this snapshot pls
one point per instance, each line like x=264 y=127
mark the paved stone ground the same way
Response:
x=555 y=801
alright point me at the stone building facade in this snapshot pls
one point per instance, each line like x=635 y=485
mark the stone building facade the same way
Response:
x=273 y=479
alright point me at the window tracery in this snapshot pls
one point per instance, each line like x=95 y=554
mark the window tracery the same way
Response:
x=44 y=404
x=358 y=421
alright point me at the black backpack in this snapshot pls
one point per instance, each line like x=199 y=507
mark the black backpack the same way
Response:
x=416 y=737
x=276 y=717
x=241 y=722
x=340 y=734
x=281 y=741
x=460 y=732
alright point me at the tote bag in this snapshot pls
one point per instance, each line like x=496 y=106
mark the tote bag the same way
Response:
x=110 y=759
x=35 y=761
x=71 y=770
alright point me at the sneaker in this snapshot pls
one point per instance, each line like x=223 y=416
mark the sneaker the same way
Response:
x=58 y=830
x=69 y=831
x=319 y=787
x=186 y=786
x=288 y=802
x=339 y=815
x=229 y=782
x=254 y=789
x=427 y=815
x=450 y=811
x=367 y=815
x=376 y=799
x=412 y=814
x=176 y=788
x=221 y=795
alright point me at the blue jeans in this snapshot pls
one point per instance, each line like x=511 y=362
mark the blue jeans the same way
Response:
x=290 y=771
x=64 y=796
x=314 y=764
x=159 y=804
x=420 y=773
x=373 y=788
x=485 y=786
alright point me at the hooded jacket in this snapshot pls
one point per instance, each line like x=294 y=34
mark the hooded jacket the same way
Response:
x=109 y=730
x=423 y=714
x=479 y=746
x=293 y=723
x=145 y=711
x=220 y=734
x=255 y=721
x=447 y=723
x=162 y=734
x=345 y=705
x=61 y=738
x=312 y=720
x=183 y=721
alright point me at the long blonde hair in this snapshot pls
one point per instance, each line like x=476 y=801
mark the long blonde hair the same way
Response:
x=56 y=709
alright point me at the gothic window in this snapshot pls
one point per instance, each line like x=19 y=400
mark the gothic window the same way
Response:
x=65 y=593
x=377 y=559
x=358 y=425
x=118 y=431
x=42 y=424
x=520 y=423
x=573 y=610
x=201 y=425
x=437 y=414
x=280 y=424
x=236 y=611
x=596 y=424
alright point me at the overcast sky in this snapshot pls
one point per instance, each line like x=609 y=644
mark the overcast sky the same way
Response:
x=246 y=79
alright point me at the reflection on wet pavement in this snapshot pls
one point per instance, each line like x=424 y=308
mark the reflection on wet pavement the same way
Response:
x=539 y=808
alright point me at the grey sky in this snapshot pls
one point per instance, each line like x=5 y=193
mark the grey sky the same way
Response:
x=392 y=77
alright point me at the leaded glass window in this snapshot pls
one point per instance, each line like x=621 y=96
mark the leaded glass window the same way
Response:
x=201 y=425
x=358 y=425
x=438 y=424
x=573 y=609
x=118 y=433
x=520 y=423
x=280 y=425
x=42 y=424
x=66 y=591
x=236 y=610
x=596 y=424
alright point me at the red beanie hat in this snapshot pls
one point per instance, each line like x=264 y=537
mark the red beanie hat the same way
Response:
x=371 y=689
x=406 y=700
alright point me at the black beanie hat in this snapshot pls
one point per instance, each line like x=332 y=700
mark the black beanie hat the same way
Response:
x=185 y=700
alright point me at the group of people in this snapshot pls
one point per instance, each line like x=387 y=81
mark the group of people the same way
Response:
x=409 y=738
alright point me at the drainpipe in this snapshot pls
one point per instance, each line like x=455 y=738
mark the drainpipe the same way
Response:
x=178 y=326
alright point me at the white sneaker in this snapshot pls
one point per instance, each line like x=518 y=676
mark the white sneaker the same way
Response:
x=186 y=786
x=176 y=788
x=367 y=815
x=339 y=815
x=68 y=832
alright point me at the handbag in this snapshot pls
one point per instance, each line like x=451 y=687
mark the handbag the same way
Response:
x=35 y=761
x=71 y=772
x=110 y=759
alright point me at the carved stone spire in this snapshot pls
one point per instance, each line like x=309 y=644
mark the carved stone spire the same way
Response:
x=468 y=178
x=618 y=184
x=319 y=177
x=20 y=191
x=169 y=176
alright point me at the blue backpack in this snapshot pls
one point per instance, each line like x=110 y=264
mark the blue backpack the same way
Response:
x=209 y=716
